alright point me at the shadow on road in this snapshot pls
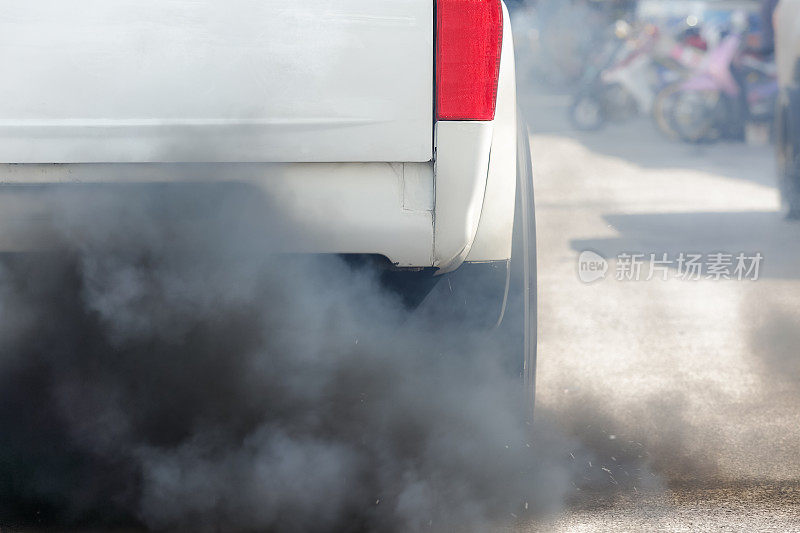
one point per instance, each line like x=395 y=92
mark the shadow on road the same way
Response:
x=706 y=233
x=639 y=142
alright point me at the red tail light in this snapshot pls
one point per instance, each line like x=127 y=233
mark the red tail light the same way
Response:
x=469 y=39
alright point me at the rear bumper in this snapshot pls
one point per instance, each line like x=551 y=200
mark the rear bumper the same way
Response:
x=387 y=209
x=363 y=208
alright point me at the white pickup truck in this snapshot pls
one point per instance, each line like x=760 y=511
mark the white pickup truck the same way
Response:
x=383 y=128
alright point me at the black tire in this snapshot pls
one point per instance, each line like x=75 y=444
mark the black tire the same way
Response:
x=498 y=298
x=508 y=287
x=521 y=310
x=662 y=109
x=515 y=326
x=586 y=112
x=788 y=159
x=694 y=116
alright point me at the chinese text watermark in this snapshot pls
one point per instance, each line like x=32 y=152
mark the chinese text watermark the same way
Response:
x=684 y=266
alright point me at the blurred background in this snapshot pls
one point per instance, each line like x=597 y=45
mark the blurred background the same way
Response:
x=619 y=59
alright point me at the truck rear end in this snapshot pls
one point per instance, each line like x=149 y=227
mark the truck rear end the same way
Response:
x=379 y=127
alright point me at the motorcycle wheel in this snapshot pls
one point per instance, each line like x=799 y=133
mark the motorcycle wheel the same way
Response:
x=586 y=113
x=663 y=109
x=620 y=104
x=694 y=116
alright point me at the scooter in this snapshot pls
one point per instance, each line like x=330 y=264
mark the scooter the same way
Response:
x=729 y=90
x=617 y=83
x=684 y=50
x=629 y=75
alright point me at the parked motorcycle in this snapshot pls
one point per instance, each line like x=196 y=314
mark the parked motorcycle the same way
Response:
x=616 y=84
x=686 y=52
x=627 y=75
x=730 y=89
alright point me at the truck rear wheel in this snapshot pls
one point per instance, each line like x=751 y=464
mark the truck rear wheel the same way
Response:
x=520 y=317
x=497 y=298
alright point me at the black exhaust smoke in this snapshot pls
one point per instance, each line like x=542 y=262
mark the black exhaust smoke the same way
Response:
x=213 y=385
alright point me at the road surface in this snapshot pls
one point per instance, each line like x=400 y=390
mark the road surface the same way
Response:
x=686 y=393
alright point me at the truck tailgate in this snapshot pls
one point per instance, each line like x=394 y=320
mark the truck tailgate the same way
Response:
x=216 y=80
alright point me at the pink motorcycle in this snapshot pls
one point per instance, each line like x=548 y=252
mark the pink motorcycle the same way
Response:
x=729 y=89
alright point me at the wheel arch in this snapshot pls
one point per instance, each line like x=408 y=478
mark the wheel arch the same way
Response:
x=493 y=237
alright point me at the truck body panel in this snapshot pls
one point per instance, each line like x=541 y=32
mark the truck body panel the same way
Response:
x=202 y=80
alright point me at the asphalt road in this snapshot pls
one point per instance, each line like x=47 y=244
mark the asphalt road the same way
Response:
x=686 y=393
